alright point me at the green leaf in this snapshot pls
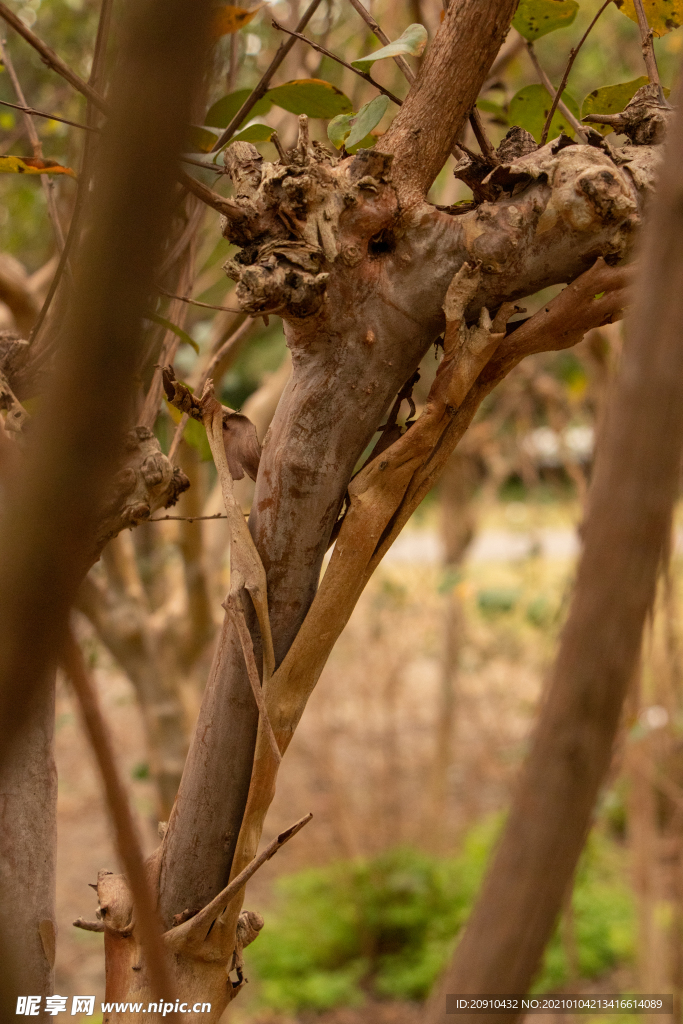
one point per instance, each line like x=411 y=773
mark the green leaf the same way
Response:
x=200 y=140
x=223 y=110
x=413 y=41
x=254 y=133
x=352 y=129
x=178 y=331
x=611 y=99
x=530 y=107
x=662 y=15
x=535 y=18
x=311 y=96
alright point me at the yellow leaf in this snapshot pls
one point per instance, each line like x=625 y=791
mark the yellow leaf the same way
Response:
x=31 y=165
x=662 y=15
x=229 y=19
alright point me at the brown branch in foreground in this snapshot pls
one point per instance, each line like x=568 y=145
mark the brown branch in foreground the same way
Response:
x=262 y=87
x=626 y=533
x=570 y=64
x=49 y=57
x=128 y=844
x=648 y=48
x=425 y=130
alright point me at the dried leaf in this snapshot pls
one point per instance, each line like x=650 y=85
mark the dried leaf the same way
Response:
x=32 y=165
x=229 y=19
x=242 y=448
x=662 y=15
x=529 y=109
x=413 y=41
x=535 y=18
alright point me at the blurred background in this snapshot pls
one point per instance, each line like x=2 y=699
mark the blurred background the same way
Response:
x=411 y=743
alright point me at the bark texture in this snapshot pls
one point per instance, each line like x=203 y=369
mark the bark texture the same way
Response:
x=372 y=280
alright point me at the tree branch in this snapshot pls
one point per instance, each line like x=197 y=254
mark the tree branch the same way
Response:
x=570 y=64
x=426 y=128
x=50 y=58
x=553 y=93
x=401 y=62
x=127 y=841
x=262 y=87
x=648 y=48
x=333 y=56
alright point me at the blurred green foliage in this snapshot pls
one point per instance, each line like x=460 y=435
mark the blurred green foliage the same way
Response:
x=385 y=926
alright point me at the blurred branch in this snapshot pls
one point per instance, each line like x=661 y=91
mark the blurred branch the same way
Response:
x=328 y=53
x=50 y=58
x=127 y=841
x=262 y=87
x=570 y=63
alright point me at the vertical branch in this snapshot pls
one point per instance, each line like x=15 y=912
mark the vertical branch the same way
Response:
x=648 y=48
x=127 y=841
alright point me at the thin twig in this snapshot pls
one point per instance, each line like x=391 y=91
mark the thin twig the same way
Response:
x=50 y=117
x=188 y=519
x=648 y=48
x=196 y=302
x=565 y=76
x=219 y=903
x=333 y=56
x=34 y=139
x=383 y=38
x=235 y=606
x=552 y=92
x=262 y=87
x=127 y=841
x=480 y=135
x=49 y=57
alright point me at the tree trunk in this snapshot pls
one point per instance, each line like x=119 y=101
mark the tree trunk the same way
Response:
x=28 y=849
